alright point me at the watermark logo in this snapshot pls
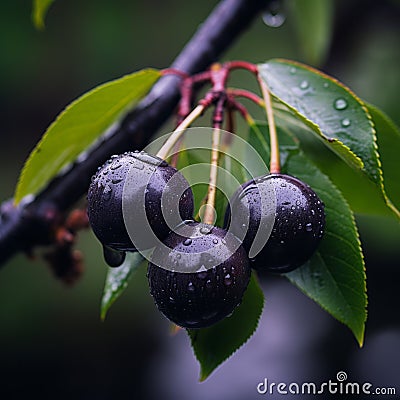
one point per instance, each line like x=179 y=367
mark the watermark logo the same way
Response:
x=341 y=376
x=339 y=386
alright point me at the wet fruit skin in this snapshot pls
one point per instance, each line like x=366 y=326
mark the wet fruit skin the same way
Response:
x=297 y=229
x=151 y=176
x=199 y=299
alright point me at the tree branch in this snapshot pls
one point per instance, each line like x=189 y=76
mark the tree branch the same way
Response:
x=25 y=226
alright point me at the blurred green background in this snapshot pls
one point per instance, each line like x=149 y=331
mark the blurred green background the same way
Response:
x=52 y=342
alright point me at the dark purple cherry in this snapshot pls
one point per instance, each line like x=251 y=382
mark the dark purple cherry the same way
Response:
x=295 y=222
x=199 y=276
x=138 y=193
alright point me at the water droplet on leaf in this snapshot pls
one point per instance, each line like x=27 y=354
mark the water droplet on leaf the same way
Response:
x=304 y=85
x=346 y=122
x=340 y=104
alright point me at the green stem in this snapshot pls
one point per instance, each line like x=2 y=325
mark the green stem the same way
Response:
x=179 y=131
x=209 y=213
x=275 y=165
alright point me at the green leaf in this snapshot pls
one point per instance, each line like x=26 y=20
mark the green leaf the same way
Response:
x=192 y=164
x=330 y=109
x=78 y=127
x=353 y=183
x=341 y=122
x=117 y=281
x=388 y=135
x=215 y=344
x=313 y=20
x=259 y=140
x=335 y=275
x=39 y=11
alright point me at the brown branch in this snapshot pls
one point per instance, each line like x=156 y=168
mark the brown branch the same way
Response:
x=24 y=227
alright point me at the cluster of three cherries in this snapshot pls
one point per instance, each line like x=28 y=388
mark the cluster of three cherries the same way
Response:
x=198 y=273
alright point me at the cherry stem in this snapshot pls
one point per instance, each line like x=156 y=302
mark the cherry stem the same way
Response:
x=242 y=110
x=209 y=213
x=246 y=94
x=230 y=127
x=242 y=65
x=179 y=131
x=275 y=165
x=175 y=153
x=201 y=77
x=174 y=71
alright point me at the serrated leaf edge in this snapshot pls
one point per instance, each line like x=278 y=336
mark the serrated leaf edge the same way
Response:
x=353 y=160
x=365 y=109
x=389 y=203
x=359 y=338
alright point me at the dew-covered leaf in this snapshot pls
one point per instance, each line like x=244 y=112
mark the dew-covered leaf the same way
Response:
x=213 y=345
x=78 y=127
x=353 y=183
x=334 y=277
x=117 y=281
x=330 y=109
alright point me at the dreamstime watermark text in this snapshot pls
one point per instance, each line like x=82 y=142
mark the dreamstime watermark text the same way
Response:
x=339 y=386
